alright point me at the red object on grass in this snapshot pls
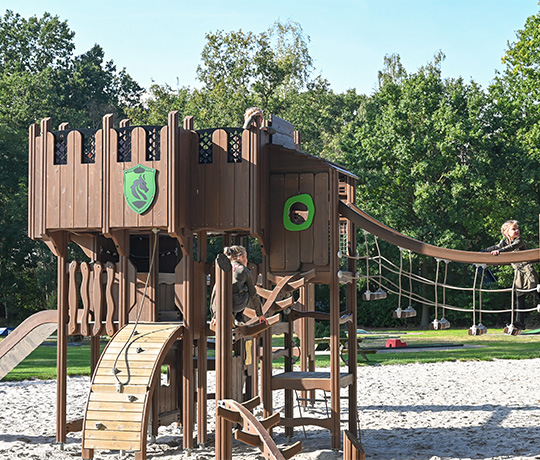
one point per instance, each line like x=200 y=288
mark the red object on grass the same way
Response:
x=395 y=343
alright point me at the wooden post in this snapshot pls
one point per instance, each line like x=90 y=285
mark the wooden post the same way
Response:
x=289 y=402
x=334 y=314
x=223 y=359
x=187 y=352
x=60 y=243
x=306 y=334
x=352 y=301
x=202 y=347
x=107 y=126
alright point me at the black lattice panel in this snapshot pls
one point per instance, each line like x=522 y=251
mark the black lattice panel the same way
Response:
x=153 y=143
x=60 y=147
x=205 y=146
x=89 y=146
x=124 y=144
x=234 y=138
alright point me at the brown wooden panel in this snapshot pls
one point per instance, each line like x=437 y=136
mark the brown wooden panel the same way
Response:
x=52 y=200
x=226 y=194
x=66 y=180
x=184 y=165
x=307 y=185
x=120 y=416
x=110 y=379
x=292 y=239
x=138 y=156
x=125 y=406
x=198 y=187
x=160 y=210
x=128 y=389
x=321 y=219
x=110 y=361
x=31 y=179
x=37 y=193
x=95 y=185
x=243 y=183
x=116 y=184
x=81 y=190
x=110 y=444
x=212 y=185
x=277 y=231
x=116 y=425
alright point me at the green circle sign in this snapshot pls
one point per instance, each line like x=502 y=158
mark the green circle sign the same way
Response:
x=292 y=213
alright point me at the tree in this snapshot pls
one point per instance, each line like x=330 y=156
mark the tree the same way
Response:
x=515 y=93
x=40 y=77
x=421 y=147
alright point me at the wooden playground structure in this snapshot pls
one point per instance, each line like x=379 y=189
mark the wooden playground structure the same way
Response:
x=141 y=202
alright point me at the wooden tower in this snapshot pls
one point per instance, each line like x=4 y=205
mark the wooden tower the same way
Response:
x=141 y=201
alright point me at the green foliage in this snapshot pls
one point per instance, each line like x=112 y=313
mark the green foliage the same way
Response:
x=40 y=77
x=271 y=70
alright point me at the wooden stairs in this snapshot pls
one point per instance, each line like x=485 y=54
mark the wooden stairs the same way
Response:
x=117 y=411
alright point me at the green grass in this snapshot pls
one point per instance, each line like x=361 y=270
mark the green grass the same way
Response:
x=493 y=345
x=41 y=364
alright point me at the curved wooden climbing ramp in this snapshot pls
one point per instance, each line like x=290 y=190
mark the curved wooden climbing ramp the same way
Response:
x=120 y=397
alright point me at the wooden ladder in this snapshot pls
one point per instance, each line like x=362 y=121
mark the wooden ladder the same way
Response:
x=117 y=411
x=255 y=432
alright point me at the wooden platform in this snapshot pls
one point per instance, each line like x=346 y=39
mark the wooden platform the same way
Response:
x=308 y=381
x=117 y=411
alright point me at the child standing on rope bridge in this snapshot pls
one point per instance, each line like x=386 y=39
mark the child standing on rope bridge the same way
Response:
x=525 y=275
x=243 y=287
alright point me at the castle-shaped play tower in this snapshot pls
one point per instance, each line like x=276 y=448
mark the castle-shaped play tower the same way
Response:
x=142 y=202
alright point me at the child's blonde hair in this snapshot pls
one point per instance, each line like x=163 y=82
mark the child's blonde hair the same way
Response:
x=233 y=252
x=507 y=225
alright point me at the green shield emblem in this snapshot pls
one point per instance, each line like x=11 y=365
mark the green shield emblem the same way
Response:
x=140 y=187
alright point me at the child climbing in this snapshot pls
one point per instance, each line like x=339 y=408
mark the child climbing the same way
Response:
x=244 y=290
x=524 y=273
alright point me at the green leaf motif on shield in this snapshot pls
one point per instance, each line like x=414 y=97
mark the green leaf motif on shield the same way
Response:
x=140 y=187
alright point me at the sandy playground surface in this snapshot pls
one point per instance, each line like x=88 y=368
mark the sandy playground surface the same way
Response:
x=442 y=411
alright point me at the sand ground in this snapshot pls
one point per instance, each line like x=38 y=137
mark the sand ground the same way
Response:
x=442 y=411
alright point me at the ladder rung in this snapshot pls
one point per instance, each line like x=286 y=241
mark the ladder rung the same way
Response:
x=229 y=415
x=288 y=452
x=252 y=403
x=249 y=439
x=271 y=421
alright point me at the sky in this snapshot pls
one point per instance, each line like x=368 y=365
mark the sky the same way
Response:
x=160 y=41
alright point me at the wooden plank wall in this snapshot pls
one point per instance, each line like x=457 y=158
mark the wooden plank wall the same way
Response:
x=220 y=190
x=79 y=195
x=72 y=197
x=121 y=215
x=295 y=250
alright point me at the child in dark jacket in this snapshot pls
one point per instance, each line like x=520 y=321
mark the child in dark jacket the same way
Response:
x=525 y=275
x=244 y=290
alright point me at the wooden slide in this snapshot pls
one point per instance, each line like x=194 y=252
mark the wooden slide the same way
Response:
x=25 y=339
x=120 y=397
x=373 y=226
